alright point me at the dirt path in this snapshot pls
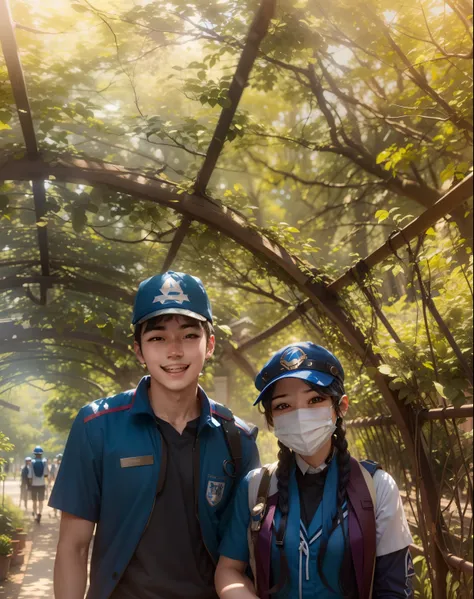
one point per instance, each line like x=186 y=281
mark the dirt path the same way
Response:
x=34 y=580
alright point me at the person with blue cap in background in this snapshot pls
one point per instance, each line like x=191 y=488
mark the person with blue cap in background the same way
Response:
x=153 y=469
x=38 y=472
x=317 y=523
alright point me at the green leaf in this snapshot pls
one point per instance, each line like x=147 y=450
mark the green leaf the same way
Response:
x=224 y=101
x=439 y=388
x=431 y=232
x=385 y=369
x=92 y=208
x=225 y=329
x=4 y=126
x=397 y=269
x=403 y=393
x=382 y=215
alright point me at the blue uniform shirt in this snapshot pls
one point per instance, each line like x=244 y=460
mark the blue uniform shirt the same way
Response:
x=394 y=570
x=301 y=547
x=110 y=472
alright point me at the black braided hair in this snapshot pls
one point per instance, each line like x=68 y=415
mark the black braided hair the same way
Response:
x=334 y=391
x=285 y=462
x=343 y=457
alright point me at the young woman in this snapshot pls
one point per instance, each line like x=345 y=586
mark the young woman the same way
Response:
x=318 y=533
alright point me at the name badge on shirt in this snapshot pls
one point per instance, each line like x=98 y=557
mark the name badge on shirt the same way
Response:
x=141 y=460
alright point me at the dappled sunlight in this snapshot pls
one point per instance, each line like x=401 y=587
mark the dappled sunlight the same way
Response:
x=310 y=162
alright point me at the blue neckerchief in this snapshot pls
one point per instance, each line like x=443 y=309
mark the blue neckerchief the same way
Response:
x=302 y=546
x=329 y=502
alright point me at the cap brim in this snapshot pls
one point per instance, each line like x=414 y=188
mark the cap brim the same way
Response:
x=180 y=311
x=323 y=379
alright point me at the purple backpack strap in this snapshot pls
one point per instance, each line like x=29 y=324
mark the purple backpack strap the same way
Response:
x=263 y=553
x=362 y=534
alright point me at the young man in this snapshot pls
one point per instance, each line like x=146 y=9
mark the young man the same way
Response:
x=25 y=483
x=154 y=468
x=37 y=475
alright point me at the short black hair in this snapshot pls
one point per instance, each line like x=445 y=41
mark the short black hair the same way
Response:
x=206 y=326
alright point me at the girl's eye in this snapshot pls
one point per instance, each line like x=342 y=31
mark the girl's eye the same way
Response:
x=192 y=336
x=155 y=339
x=316 y=399
x=281 y=406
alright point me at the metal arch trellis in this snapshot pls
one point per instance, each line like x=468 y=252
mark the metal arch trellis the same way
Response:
x=198 y=207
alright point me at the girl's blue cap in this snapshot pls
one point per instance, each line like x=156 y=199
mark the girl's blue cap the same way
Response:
x=171 y=293
x=306 y=361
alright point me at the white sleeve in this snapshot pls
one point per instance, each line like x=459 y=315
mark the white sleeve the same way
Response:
x=30 y=471
x=46 y=469
x=393 y=532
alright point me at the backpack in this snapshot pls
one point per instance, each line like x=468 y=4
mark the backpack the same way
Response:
x=38 y=468
x=263 y=499
x=232 y=437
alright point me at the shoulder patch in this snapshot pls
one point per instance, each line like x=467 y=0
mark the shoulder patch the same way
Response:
x=370 y=466
x=109 y=405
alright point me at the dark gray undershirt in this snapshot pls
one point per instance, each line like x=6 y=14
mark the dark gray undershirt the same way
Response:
x=311 y=488
x=171 y=561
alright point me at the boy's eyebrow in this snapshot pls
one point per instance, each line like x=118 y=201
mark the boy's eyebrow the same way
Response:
x=160 y=327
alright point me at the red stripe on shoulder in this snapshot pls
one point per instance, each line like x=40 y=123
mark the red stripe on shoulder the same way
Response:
x=119 y=409
x=216 y=413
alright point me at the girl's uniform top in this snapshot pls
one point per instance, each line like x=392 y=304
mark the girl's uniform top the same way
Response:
x=305 y=532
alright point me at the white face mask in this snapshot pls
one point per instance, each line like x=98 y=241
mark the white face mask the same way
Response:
x=305 y=430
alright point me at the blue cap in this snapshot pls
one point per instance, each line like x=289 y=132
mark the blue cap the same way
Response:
x=171 y=293
x=306 y=361
x=38 y=449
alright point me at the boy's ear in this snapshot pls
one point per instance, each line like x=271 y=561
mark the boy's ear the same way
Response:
x=138 y=353
x=211 y=346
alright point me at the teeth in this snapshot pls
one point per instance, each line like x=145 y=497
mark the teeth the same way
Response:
x=175 y=368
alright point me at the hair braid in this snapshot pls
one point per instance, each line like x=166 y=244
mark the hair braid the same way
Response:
x=285 y=460
x=343 y=457
x=283 y=472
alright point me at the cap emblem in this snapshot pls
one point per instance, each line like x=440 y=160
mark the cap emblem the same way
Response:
x=293 y=358
x=172 y=292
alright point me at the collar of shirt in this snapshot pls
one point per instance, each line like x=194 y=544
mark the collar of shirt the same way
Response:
x=308 y=469
x=141 y=404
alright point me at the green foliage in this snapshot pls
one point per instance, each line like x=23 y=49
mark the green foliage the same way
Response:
x=11 y=517
x=6 y=546
x=5 y=447
x=349 y=127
